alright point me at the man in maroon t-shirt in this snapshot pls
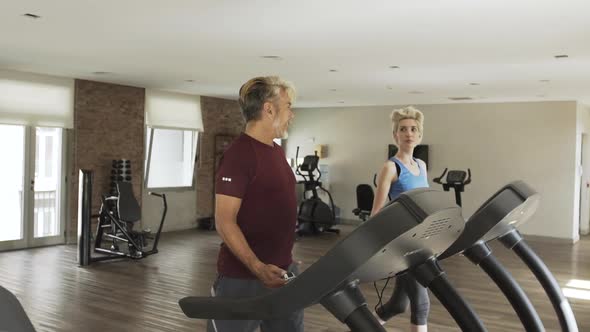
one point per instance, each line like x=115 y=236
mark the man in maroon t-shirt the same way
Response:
x=256 y=207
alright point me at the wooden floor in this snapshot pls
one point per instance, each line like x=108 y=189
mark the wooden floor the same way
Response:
x=143 y=295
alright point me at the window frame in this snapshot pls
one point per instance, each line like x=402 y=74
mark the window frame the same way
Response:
x=148 y=159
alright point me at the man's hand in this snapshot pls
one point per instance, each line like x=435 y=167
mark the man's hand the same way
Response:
x=270 y=275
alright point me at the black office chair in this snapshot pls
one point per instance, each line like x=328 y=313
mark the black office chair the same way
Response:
x=364 y=201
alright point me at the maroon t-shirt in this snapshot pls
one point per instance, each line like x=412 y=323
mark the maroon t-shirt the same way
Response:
x=260 y=175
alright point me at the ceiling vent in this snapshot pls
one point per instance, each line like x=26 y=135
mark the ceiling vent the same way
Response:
x=33 y=16
x=460 y=98
x=272 y=57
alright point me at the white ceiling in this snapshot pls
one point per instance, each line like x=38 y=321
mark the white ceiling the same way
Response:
x=440 y=46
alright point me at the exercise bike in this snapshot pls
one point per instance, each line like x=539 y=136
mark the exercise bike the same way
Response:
x=314 y=215
x=457 y=180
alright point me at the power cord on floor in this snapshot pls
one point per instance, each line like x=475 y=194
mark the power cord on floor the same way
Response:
x=380 y=294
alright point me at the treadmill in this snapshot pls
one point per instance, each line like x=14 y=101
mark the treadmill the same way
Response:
x=488 y=223
x=13 y=317
x=497 y=218
x=406 y=235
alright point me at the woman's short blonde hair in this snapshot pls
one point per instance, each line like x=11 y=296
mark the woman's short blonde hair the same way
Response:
x=409 y=112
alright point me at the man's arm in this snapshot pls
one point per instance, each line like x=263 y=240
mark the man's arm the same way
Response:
x=226 y=212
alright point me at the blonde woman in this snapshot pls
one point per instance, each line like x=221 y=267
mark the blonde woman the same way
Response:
x=401 y=173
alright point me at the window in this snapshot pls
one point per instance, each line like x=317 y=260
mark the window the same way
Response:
x=170 y=153
x=170 y=157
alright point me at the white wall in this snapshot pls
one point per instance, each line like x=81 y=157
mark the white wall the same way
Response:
x=583 y=180
x=182 y=210
x=534 y=142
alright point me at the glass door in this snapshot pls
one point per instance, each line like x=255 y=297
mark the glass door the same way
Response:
x=13 y=193
x=47 y=216
x=32 y=195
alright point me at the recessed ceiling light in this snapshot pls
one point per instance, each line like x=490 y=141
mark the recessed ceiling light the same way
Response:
x=333 y=70
x=544 y=81
x=101 y=72
x=394 y=67
x=474 y=83
x=272 y=57
x=33 y=16
x=561 y=56
x=416 y=92
x=460 y=98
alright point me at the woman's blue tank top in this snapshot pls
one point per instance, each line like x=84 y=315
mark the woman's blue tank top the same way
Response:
x=406 y=180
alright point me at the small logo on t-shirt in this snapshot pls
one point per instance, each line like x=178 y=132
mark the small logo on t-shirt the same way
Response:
x=226 y=179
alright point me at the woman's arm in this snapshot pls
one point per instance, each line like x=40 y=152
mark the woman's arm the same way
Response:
x=386 y=177
x=421 y=162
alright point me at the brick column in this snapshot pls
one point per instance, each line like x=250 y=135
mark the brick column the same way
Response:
x=108 y=124
x=220 y=116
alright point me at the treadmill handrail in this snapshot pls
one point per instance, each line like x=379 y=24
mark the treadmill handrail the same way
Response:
x=324 y=275
x=309 y=287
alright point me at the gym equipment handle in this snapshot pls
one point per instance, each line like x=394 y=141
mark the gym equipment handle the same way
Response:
x=437 y=180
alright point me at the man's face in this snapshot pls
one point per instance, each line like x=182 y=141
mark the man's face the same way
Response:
x=283 y=115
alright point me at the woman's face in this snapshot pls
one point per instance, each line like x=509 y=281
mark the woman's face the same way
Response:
x=407 y=134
